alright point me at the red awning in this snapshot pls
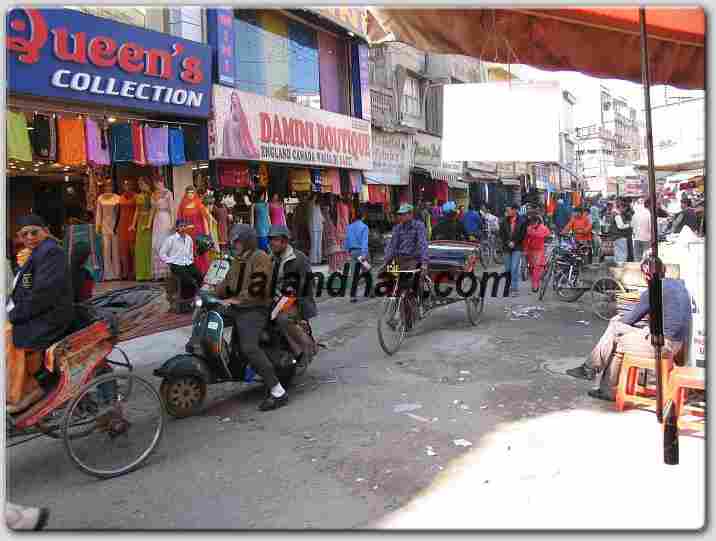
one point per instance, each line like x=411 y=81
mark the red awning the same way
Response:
x=601 y=42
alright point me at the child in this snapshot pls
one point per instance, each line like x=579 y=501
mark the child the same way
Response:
x=537 y=232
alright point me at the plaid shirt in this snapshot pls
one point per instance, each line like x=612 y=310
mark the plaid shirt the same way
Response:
x=408 y=240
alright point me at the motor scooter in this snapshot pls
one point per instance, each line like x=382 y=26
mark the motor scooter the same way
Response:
x=212 y=358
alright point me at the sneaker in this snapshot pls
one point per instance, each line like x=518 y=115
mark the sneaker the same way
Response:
x=582 y=372
x=272 y=403
x=25 y=518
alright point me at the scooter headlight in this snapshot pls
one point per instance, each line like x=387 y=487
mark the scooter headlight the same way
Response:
x=198 y=303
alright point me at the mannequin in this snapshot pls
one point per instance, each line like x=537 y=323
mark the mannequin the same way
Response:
x=342 y=220
x=162 y=220
x=222 y=216
x=316 y=228
x=277 y=213
x=213 y=225
x=262 y=220
x=126 y=230
x=193 y=210
x=106 y=219
x=142 y=226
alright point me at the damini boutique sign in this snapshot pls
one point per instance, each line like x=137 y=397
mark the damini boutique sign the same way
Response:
x=66 y=54
x=251 y=127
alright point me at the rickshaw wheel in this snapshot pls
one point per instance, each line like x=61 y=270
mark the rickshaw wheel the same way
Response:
x=475 y=306
x=604 y=297
x=183 y=396
x=391 y=322
x=127 y=427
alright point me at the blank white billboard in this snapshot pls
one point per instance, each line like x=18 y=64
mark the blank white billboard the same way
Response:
x=502 y=122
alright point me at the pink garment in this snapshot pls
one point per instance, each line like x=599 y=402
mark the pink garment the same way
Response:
x=156 y=145
x=335 y=178
x=278 y=215
x=95 y=153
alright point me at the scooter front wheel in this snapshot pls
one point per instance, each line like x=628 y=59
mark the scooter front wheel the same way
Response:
x=183 y=396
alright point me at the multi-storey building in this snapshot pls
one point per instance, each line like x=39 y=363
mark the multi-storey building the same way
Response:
x=406 y=100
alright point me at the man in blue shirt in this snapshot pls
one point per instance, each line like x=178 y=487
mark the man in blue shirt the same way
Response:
x=624 y=336
x=356 y=243
x=472 y=221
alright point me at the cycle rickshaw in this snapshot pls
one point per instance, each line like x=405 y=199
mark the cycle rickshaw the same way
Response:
x=109 y=419
x=448 y=260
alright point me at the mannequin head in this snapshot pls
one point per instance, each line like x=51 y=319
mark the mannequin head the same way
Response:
x=126 y=186
x=144 y=185
x=159 y=184
x=275 y=199
x=107 y=187
x=190 y=193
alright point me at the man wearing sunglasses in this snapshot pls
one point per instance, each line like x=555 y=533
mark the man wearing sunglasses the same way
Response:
x=39 y=309
x=622 y=335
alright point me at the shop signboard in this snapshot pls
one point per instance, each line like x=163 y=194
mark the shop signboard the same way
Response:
x=68 y=55
x=220 y=30
x=428 y=151
x=247 y=126
x=391 y=163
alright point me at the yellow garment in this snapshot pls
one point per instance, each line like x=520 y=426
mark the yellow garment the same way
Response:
x=299 y=180
x=18 y=137
x=21 y=365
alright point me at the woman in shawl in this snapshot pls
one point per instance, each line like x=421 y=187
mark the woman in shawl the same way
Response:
x=237 y=136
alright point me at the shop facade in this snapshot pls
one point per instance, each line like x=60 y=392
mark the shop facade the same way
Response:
x=95 y=106
x=431 y=176
x=290 y=130
x=388 y=182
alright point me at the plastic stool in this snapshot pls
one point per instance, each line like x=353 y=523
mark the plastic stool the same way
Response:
x=627 y=392
x=681 y=380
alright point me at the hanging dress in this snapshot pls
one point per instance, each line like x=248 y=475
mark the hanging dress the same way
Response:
x=162 y=204
x=278 y=215
x=343 y=217
x=143 y=247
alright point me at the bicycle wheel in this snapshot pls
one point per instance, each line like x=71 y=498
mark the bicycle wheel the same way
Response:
x=474 y=306
x=566 y=287
x=546 y=278
x=127 y=427
x=604 y=297
x=392 y=325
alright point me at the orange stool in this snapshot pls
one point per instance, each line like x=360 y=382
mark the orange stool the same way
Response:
x=627 y=392
x=681 y=380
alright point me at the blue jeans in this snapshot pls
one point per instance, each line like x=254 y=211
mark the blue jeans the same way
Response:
x=512 y=265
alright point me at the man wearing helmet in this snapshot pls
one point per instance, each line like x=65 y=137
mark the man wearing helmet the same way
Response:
x=293 y=276
x=449 y=228
x=248 y=287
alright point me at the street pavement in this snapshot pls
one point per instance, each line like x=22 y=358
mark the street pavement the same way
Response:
x=465 y=427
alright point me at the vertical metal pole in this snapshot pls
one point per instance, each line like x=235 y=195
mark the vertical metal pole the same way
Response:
x=656 y=318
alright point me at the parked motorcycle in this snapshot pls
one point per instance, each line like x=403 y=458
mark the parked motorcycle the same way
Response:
x=211 y=358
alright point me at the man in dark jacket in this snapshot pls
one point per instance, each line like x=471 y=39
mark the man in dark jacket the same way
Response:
x=449 y=228
x=513 y=230
x=40 y=308
x=293 y=275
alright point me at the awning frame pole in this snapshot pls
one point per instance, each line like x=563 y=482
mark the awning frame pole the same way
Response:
x=656 y=268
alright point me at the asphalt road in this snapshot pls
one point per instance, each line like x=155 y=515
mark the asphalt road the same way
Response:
x=367 y=437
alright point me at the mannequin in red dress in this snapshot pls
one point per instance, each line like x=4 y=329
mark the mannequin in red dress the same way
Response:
x=193 y=210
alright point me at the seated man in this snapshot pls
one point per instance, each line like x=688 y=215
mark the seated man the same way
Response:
x=623 y=335
x=178 y=252
x=449 y=228
x=39 y=312
x=293 y=275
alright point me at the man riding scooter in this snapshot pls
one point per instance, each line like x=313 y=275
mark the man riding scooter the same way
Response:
x=294 y=278
x=247 y=288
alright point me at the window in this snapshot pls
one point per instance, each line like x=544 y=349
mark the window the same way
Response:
x=411 y=98
x=277 y=57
